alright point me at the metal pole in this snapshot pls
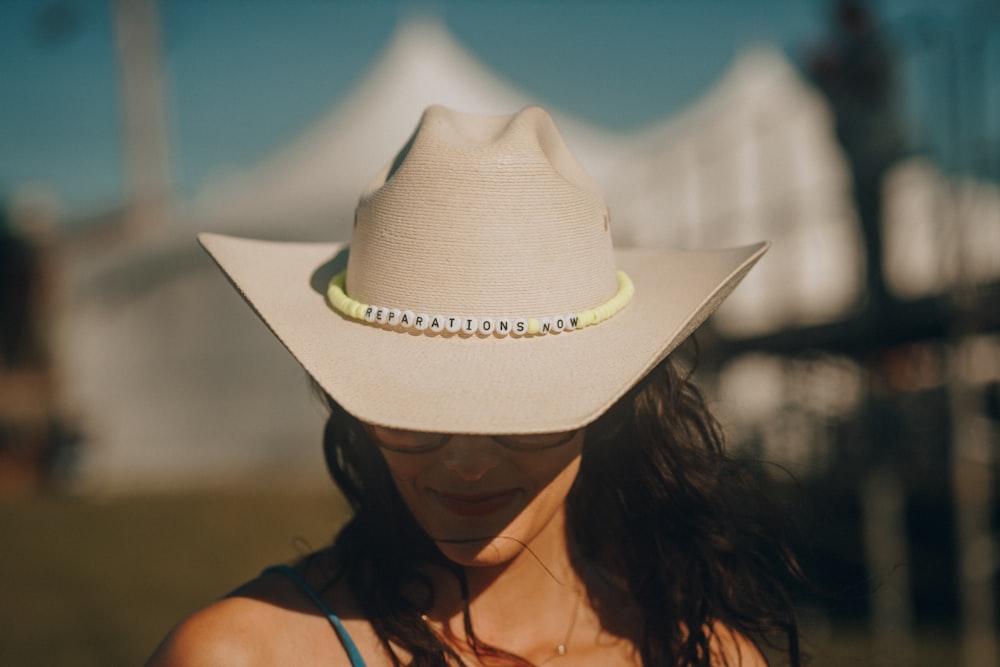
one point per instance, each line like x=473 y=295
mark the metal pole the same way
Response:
x=972 y=456
x=145 y=128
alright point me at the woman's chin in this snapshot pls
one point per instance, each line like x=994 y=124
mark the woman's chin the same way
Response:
x=482 y=551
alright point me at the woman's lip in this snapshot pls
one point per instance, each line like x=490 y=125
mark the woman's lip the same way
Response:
x=474 y=504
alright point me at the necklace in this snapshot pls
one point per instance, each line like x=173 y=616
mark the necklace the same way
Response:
x=562 y=648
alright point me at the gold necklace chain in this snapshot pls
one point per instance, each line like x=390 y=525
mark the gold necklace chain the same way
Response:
x=562 y=648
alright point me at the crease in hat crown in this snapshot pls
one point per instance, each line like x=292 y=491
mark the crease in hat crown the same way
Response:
x=484 y=217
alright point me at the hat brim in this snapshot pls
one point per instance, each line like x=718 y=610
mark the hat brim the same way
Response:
x=492 y=385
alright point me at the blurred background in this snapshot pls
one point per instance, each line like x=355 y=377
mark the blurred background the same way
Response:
x=157 y=447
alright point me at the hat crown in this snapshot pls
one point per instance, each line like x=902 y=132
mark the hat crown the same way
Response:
x=487 y=216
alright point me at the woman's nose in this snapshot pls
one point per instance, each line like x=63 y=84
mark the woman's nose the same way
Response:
x=471 y=456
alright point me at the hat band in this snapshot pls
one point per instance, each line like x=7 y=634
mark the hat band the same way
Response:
x=396 y=318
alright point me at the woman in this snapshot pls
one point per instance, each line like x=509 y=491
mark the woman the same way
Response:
x=533 y=479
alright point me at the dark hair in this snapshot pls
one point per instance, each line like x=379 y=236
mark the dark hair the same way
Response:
x=657 y=508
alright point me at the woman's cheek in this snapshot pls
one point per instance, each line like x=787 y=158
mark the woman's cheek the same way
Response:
x=403 y=467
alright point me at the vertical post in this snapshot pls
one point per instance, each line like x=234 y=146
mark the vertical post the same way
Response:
x=883 y=512
x=972 y=458
x=972 y=472
x=145 y=134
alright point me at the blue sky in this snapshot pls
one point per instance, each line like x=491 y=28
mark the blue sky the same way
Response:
x=244 y=76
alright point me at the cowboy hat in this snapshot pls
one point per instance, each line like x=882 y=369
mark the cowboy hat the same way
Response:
x=480 y=292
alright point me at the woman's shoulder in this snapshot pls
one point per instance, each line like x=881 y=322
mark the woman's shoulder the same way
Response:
x=233 y=632
x=266 y=621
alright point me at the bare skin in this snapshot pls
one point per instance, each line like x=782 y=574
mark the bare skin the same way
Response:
x=270 y=623
x=522 y=563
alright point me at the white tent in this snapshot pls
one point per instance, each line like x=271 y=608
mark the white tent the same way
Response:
x=755 y=158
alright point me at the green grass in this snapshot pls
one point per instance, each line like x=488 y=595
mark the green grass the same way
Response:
x=87 y=582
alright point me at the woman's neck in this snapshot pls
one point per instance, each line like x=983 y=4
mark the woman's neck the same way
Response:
x=527 y=605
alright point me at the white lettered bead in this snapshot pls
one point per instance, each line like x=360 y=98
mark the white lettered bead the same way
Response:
x=406 y=318
x=380 y=314
x=570 y=320
x=421 y=321
x=470 y=325
x=519 y=327
x=558 y=323
x=486 y=325
x=369 y=313
x=502 y=327
x=437 y=323
x=544 y=325
x=452 y=323
x=392 y=316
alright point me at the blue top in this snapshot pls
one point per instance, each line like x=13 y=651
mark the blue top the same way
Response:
x=338 y=627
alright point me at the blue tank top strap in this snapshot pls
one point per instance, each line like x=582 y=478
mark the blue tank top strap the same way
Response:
x=338 y=627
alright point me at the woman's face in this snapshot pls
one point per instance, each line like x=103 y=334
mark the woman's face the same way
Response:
x=481 y=502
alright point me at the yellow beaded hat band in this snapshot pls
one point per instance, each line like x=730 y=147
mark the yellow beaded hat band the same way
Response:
x=407 y=320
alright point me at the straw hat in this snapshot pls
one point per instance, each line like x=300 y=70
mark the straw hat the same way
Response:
x=480 y=293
